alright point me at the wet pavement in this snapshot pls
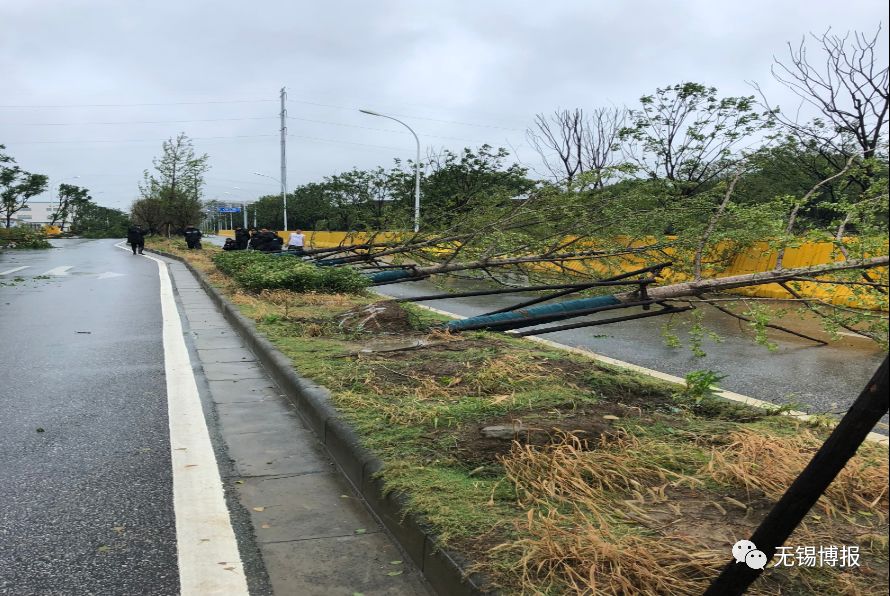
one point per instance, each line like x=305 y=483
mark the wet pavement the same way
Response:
x=816 y=379
x=85 y=480
x=312 y=532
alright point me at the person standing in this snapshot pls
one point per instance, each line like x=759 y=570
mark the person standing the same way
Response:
x=241 y=238
x=296 y=241
x=192 y=237
x=136 y=238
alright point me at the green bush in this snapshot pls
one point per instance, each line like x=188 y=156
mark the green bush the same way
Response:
x=259 y=271
x=23 y=238
x=342 y=280
x=232 y=262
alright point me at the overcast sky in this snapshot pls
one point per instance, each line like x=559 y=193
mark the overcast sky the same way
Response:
x=90 y=88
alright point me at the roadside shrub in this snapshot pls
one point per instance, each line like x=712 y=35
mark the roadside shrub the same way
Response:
x=342 y=280
x=257 y=271
x=23 y=238
x=279 y=274
x=232 y=262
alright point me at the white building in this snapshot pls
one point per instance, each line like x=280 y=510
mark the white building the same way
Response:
x=35 y=214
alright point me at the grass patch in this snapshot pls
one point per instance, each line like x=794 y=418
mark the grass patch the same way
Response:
x=555 y=474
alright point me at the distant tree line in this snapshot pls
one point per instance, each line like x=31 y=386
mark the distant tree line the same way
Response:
x=75 y=211
x=660 y=166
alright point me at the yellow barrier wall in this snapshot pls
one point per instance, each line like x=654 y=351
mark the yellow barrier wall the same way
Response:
x=757 y=258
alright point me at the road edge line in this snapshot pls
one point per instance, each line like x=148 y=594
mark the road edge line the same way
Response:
x=207 y=550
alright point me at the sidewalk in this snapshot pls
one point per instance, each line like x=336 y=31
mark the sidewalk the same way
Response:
x=313 y=533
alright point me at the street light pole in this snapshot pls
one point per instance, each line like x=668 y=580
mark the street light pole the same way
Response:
x=284 y=155
x=416 y=167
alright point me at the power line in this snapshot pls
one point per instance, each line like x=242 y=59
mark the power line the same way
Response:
x=203 y=139
x=134 y=140
x=253 y=118
x=346 y=142
x=127 y=105
x=458 y=122
x=425 y=135
x=134 y=121
x=241 y=101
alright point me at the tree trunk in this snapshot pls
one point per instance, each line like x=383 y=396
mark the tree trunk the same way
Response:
x=574 y=308
x=718 y=284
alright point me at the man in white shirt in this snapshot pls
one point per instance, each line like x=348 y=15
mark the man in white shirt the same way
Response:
x=296 y=241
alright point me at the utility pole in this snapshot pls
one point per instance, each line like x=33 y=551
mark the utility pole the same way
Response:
x=284 y=154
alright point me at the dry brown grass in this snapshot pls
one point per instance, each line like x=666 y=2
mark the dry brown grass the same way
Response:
x=606 y=518
x=579 y=506
x=437 y=379
x=290 y=306
x=768 y=464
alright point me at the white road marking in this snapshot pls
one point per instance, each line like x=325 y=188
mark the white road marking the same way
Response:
x=108 y=274
x=8 y=271
x=58 y=271
x=209 y=561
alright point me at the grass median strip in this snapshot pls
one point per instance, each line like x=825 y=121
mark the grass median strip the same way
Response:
x=555 y=474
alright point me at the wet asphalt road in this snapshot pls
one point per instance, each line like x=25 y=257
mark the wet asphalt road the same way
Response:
x=85 y=482
x=815 y=379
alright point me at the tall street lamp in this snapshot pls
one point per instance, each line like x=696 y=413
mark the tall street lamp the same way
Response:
x=283 y=195
x=416 y=167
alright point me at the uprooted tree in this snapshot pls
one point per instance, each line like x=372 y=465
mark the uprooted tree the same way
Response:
x=554 y=237
x=688 y=177
x=691 y=209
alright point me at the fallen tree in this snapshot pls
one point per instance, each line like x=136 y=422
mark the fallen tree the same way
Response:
x=651 y=295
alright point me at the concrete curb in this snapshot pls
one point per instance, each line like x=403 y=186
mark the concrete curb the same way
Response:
x=444 y=571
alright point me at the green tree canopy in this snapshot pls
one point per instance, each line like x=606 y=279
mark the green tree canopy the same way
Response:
x=17 y=186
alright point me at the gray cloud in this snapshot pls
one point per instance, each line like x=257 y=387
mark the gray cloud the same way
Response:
x=460 y=73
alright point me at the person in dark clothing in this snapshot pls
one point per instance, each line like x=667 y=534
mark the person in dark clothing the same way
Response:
x=267 y=241
x=241 y=238
x=260 y=239
x=277 y=241
x=274 y=242
x=230 y=244
x=136 y=238
x=254 y=239
x=192 y=237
